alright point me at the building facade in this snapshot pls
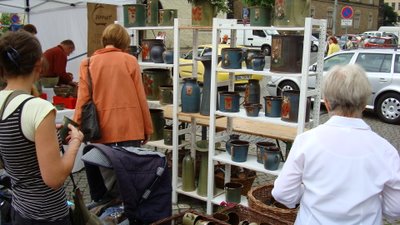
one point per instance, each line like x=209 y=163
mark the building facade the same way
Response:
x=395 y=4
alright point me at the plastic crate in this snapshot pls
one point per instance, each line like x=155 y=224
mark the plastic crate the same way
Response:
x=68 y=102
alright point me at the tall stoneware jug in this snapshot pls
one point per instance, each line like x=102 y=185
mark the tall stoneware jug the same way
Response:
x=202 y=149
x=190 y=96
x=188 y=174
x=252 y=92
x=152 y=13
x=205 y=97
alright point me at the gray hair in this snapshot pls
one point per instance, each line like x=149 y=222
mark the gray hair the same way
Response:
x=347 y=89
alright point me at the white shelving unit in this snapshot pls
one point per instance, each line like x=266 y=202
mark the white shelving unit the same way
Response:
x=251 y=162
x=152 y=103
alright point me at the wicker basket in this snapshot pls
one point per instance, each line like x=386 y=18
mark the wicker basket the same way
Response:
x=252 y=215
x=177 y=219
x=259 y=196
x=247 y=182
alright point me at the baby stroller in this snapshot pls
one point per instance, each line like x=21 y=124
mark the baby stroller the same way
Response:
x=143 y=180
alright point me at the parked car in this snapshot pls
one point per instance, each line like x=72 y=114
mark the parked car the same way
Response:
x=380 y=42
x=186 y=67
x=383 y=71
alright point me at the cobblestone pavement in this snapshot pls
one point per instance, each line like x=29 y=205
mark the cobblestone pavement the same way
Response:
x=388 y=131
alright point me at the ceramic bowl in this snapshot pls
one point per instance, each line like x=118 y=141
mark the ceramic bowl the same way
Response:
x=49 y=82
x=62 y=91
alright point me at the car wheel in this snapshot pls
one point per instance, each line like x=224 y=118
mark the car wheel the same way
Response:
x=314 y=48
x=286 y=86
x=266 y=49
x=388 y=108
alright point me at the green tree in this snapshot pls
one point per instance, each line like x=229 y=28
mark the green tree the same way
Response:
x=389 y=15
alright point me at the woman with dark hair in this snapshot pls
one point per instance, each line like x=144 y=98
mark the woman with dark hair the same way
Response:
x=29 y=146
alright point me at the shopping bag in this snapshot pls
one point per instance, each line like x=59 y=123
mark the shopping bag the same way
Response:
x=90 y=123
x=80 y=215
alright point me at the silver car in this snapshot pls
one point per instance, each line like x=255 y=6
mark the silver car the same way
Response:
x=383 y=71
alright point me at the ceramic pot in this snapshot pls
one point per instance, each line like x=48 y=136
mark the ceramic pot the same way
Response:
x=147 y=46
x=252 y=92
x=157 y=118
x=258 y=63
x=291 y=13
x=233 y=192
x=232 y=137
x=168 y=56
x=290 y=106
x=261 y=148
x=203 y=13
x=260 y=16
x=252 y=109
x=152 y=13
x=135 y=15
x=239 y=150
x=190 y=96
x=229 y=101
x=167 y=16
x=287 y=53
x=231 y=58
x=273 y=105
x=153 y=78
x=157 y=53
x=249 y=55
x=190 y=218
x=166 y=94
x=271 y=158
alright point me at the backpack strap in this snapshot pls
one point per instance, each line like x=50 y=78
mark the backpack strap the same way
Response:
x=8 y=100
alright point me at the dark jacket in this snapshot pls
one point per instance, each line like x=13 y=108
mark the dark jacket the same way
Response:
x=136 y=171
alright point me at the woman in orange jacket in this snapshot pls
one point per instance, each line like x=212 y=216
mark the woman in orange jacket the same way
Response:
x=119 y=96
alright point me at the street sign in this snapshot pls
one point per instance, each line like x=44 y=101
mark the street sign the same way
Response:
x=346 y=22
x=347 y=12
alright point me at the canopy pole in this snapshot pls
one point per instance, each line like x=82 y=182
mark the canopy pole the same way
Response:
x=27 y=10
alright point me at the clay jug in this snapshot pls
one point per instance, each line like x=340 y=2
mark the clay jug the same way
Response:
x=190 y=96
x=152 y=13
x=135 y=15
x=153 y=78
x=252 y=92
x=188 y=174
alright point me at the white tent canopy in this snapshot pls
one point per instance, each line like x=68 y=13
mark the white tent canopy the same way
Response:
x=58 y=20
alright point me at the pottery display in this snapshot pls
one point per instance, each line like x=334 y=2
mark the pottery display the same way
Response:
x=271 y=158
x=252 y=92
x=258 y=63
x=153 y=78
x=239 y=150
x=287 y=53
x=135 y=15
x=168 y=56
x=229 y=101
x=149 y=54
x=291 y=12
x=262 y=146
x=252 y=109
x=272 y=106
x=233 y=192
x=49 y=82
x=231 y=58
x=249 y=55
x=290 y=106
x=232 y=137
x=190 y=96
x=188 y=173
x=167 y=16
x=205 y=97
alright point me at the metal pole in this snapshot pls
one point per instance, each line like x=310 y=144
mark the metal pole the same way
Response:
x=334 y=17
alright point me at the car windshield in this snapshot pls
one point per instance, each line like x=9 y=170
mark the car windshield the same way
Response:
x=375 y=62
x=340 y=59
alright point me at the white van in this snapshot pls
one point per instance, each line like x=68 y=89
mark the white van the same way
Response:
x=252 y=38
x=390 y=29
x=374 y=33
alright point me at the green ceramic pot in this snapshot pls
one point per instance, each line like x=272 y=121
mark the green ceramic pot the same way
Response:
x=167 y=16
x=291 y=13
x=260 y=16
x=203 y=13
x=135 y=15
x=152 y=13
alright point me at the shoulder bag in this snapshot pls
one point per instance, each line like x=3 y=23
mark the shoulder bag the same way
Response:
x=90 y=122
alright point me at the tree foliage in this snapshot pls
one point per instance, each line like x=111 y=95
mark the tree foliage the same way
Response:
x=389 y=16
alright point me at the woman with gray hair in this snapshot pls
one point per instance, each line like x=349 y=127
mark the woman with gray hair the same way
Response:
x=342 y=172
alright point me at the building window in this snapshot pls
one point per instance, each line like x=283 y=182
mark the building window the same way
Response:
x=398 y=6
x=394 y=5
x=370 y=21
x=356 y=20
x=312 y=12
x=330 y=19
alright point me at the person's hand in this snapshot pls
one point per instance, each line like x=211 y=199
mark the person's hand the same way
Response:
x=146 y=139
x=74 y=134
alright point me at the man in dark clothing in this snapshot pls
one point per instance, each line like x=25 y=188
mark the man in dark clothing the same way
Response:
x=57 y=62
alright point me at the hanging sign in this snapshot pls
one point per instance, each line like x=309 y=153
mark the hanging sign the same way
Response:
x=347 y=12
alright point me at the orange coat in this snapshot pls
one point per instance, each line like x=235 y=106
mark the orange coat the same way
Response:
x=118 y=94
